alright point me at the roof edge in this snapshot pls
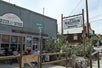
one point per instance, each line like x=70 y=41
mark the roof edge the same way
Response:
x=28 y=10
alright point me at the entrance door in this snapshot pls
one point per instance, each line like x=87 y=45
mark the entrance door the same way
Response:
x=28 y=43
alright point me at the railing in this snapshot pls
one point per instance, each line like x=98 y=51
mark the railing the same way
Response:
x=8 y=57
x=98 y=58
x=58 y=58
x=31 y=58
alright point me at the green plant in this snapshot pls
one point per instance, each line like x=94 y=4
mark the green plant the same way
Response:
x=61 y=43
x=90 y=42
x=56 y=45
x=50 y=45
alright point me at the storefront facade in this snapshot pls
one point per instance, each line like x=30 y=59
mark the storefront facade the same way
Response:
x=17 y=22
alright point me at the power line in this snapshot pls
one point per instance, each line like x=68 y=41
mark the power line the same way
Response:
x=96 y=20
x=76 y=6
x=95 y=17
x=99 y=13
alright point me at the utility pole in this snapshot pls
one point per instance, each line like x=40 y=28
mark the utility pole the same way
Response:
x=62 y=24
x=43 y=12
x=84 y=34
x=87 y=18
x=21 y=52
x=40 y=54
x=40 y=26
x=9 y=0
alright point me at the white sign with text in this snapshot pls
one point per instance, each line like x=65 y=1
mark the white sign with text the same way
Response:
x=72 y=24
x=11 y=19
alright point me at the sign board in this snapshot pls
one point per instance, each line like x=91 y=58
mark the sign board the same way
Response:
x=72 y=24
x=40 y=25
x=11 y=19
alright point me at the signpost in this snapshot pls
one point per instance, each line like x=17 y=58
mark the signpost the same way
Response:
x=40 y=27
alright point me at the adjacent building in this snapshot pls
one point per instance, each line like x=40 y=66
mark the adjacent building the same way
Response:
x=17 y=22
x=73 y=28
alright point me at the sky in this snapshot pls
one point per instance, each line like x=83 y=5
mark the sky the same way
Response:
x=54 y=9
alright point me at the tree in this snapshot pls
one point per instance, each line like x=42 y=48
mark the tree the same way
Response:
x=90 y=42
x=50 y=45
x=61 y=43
x=55 y=45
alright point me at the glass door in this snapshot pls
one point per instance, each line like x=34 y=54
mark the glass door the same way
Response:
x=35 y=43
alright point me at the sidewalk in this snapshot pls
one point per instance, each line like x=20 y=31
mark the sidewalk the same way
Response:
x=26 y=66
x=15 y=65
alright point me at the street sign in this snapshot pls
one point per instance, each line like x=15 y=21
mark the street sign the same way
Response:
x=40 y=25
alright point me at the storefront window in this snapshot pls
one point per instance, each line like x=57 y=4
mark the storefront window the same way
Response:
x=5 y=39
x=3 y=46
x=16 y=42
x=14 y=39
x=13 y=46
